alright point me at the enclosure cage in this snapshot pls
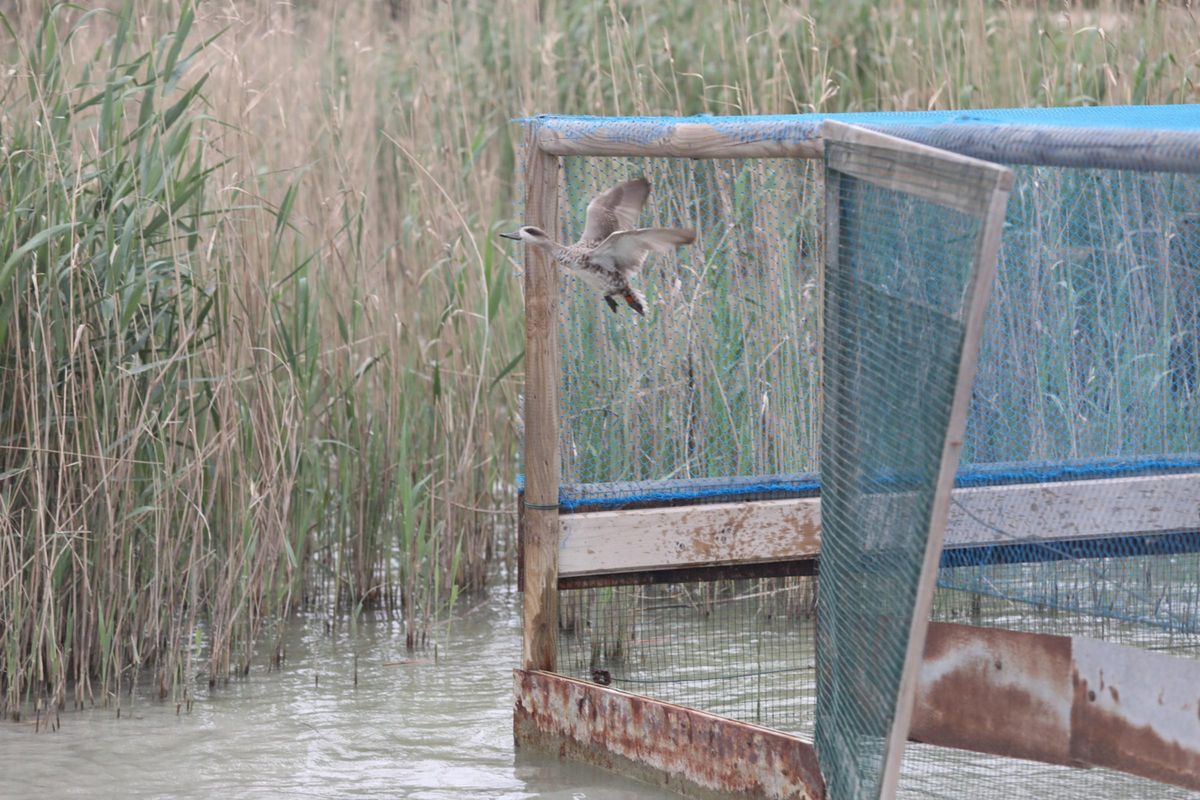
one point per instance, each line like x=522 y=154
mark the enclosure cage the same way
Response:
x=895 y=488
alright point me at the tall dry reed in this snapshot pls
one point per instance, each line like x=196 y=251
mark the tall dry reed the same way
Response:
x=258 y=348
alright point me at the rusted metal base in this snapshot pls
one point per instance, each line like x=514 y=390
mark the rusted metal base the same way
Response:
x=691 y=752
x=1055 y=699
x=1060 y=700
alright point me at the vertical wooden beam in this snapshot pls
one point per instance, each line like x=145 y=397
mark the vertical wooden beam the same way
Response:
x=540 y=550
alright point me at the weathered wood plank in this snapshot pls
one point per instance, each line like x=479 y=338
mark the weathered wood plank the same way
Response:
x=691 y=752
x=540 y=526
x=654 y=538
x=684 y=140
x=1060 y=700
x=959 y=182
x=1075 y=509
x=957 y=189
x=613 y=542
x=1044 y=145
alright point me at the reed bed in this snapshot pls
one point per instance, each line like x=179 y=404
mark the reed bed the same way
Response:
x=258 y=349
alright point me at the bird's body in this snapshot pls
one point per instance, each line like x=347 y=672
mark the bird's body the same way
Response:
x=611 y=250
x=610 y=281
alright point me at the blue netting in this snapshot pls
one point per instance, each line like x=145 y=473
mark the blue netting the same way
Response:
x=1164 y=138
x=1090 y=362
x=648 y=494
x=1090 y=351
x=719 y=379
x=800 y=127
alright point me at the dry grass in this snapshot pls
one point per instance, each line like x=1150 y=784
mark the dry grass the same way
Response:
x=297 y=383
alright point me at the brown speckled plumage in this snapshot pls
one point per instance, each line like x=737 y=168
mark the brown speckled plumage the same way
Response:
x=611 y=250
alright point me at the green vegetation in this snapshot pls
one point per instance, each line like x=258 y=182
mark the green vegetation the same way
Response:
x=259 y=350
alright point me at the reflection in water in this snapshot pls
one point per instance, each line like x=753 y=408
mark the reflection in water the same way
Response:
x=414 y=730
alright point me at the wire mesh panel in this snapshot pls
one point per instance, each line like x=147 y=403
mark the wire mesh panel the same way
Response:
x=719 y=380
x=944 y=773
x=905 y=230
x=1075 y=503
x=743 y=649
x=1088 y=371
x=1084 y=397
x=1090 y=348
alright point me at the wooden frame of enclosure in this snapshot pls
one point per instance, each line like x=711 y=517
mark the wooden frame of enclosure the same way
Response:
x=1033 y=696
x=911 y=173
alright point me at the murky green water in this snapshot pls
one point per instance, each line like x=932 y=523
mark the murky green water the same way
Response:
x=413 y=728
x=408 y=730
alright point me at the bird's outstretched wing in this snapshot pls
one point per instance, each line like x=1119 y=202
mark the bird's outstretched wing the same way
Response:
x=624 y=251
x=615 y=210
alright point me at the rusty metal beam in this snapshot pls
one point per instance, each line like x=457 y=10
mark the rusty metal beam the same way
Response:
x=995 y=691
x=1055 y=699
x=1060 y=700
x=1136 y=711
x=691 y=752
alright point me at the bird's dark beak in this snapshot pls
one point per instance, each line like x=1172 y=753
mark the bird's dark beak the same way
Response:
x=513 y=236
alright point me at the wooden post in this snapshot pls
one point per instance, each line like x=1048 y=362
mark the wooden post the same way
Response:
x=540 y=550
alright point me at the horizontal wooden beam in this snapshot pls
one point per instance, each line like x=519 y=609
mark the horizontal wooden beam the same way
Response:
x=1075 y=509
x=1060 y=700
x=1044 y=145
x=728 y=534
x=680 y=140
x=689 y=751
x=601 y=542
x=959 y=182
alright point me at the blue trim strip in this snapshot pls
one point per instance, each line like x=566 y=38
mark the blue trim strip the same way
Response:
x=1178 y=117
x=611 y=496
x=1156 y=544
x=802 y=487
x=1157 y=138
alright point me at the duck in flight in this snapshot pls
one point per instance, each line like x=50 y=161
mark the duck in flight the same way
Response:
x=611 y=250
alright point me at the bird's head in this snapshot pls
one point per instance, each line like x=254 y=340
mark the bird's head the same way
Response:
x=530 y=234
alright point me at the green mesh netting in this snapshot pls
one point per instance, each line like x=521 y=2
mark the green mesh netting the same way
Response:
x=719 y=379
x=899 y=278
x=1090 y=348
x=1088 y=370
x=743 y=649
